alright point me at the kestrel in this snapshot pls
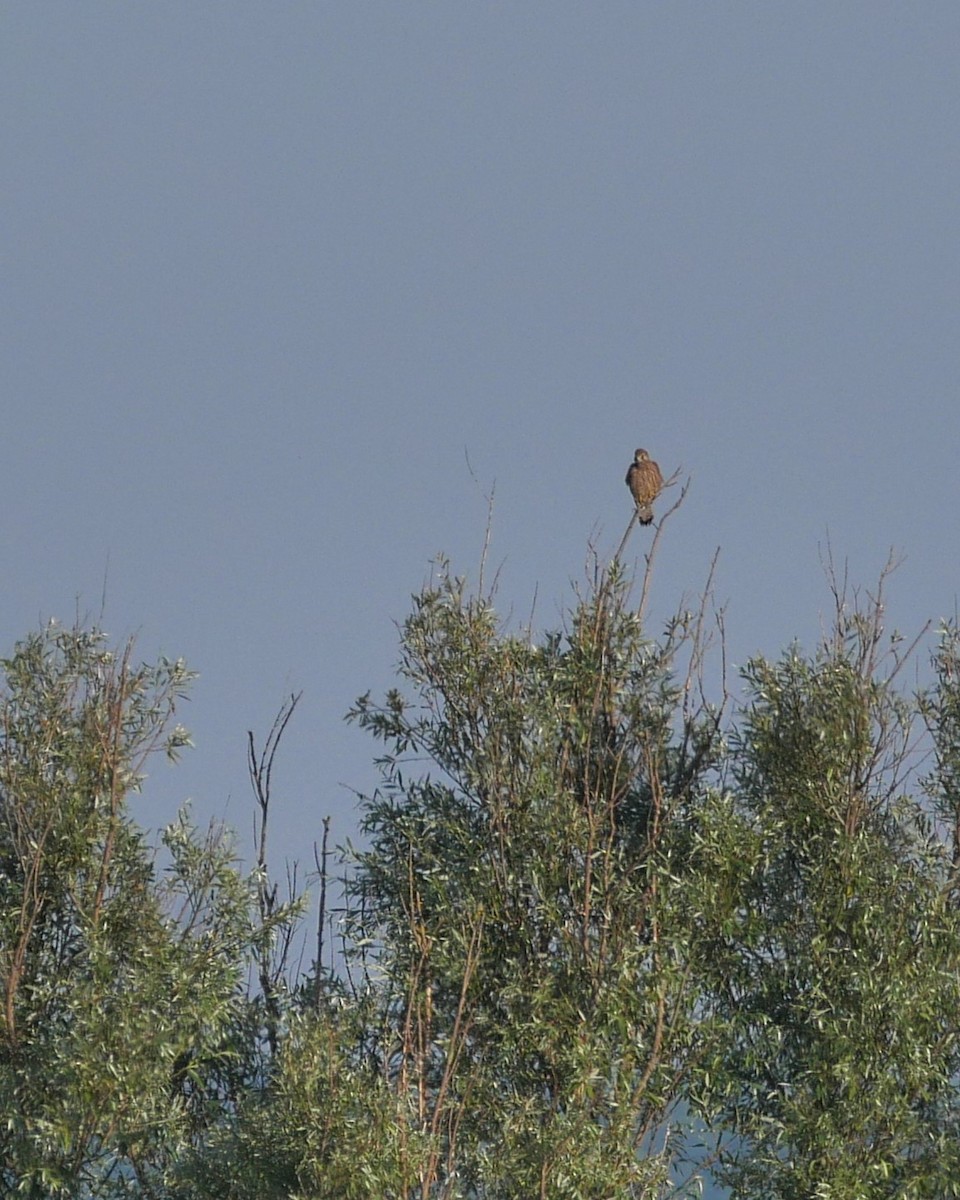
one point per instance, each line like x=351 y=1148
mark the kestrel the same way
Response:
x=645 y=482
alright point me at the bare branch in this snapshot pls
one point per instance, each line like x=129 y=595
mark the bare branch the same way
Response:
x=651 y=553
x=270 y=963
x=321 y=862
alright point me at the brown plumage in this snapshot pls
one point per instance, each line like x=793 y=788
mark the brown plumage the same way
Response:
x=645 y=483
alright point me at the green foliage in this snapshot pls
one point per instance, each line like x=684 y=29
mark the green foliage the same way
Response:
x=537 y=897
x=117 y=987
x=603 y=940
x=328 y=1127
x=842 y=977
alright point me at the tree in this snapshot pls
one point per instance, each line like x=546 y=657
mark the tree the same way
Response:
x=592 y=922
x=841 y=976
x=604 y=938
x=538 y=895
x=546 y=864
x=119 y=987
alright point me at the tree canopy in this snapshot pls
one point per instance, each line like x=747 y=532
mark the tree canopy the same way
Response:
x=607 y=934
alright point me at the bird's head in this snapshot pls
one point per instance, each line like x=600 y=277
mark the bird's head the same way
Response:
x=640 y=456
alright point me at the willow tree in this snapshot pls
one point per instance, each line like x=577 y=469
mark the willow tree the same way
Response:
x=605 y=939
x=119 y=984
x=604 y=943
x=546 y=859
x=841 y=975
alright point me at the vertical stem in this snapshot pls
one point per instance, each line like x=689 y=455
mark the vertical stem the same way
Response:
x=322 y=911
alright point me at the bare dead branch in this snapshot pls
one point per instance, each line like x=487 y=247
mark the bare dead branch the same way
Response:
x=651 y=553
x=321 y=862
x=270 y=963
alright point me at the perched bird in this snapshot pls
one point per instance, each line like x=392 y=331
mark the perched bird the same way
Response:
x=645 y=483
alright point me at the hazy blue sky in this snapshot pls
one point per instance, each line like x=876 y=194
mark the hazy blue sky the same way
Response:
x=270 y=270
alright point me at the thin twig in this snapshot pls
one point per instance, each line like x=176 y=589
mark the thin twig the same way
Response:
x=322 y=910
x=651 y=553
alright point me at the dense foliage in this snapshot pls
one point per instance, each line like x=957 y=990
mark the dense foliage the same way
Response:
x=604 y=939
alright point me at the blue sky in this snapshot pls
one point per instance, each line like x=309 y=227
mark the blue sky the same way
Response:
x=271 y=272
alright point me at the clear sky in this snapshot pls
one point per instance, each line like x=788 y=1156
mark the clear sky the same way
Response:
x=271 y=271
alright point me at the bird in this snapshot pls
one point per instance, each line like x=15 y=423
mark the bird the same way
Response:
x=645 y=483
